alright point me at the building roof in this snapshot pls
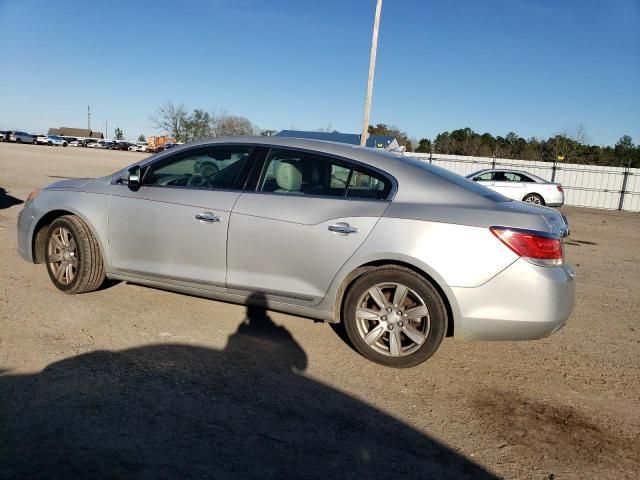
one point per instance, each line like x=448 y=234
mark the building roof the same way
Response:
x=75 y=132
x=373 y=141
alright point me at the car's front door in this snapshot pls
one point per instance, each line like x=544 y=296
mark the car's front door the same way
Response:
x=510 y=184
x=174 y=228
x=307 y=216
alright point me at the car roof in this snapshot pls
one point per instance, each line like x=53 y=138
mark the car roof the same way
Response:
x=418 y=180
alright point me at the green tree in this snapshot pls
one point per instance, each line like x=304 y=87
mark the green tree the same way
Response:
x=118 y=134
x=141 y=138
x=197 y=125
x=424 y=146
x=391 y=131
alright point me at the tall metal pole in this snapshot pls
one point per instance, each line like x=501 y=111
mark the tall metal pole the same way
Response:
x=89 y=118
x=106 y=130
x=372 y=68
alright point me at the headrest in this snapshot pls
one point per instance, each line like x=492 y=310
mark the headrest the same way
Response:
x=289 y=176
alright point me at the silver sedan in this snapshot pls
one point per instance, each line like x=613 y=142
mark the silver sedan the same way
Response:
x=399 y=252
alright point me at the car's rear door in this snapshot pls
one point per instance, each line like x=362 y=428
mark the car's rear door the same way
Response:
x=174 y=228
x=307 y=215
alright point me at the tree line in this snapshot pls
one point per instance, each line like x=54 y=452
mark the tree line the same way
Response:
x=177 y=121
x=565 y=147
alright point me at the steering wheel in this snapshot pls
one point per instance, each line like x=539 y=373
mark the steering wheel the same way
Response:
x=199 y=181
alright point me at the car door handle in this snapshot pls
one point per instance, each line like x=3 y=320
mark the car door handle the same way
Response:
x=344 y=228
x=207 y=217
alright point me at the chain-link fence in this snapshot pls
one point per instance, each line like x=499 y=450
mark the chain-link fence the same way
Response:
x=594 y=186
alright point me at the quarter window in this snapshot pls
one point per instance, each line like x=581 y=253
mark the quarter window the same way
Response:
x=368 y=185
x=208 y=168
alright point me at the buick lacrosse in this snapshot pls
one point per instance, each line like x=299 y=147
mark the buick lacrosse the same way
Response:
x=401 y=252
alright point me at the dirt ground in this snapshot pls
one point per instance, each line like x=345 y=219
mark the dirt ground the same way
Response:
x=130 y=381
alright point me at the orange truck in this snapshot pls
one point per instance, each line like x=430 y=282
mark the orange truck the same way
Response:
x=156 y=144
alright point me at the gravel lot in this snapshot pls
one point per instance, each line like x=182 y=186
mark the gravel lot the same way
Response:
x=135 y=382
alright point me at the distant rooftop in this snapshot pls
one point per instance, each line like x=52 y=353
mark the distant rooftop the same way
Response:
x=75 y=132
x=374 y=141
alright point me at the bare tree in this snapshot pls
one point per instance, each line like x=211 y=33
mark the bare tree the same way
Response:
x=231 y=125
x=171 y=119
x=566 y=146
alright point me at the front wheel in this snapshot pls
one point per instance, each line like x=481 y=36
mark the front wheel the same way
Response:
x=394 y=317
x=533 y=198
x=73 y=256
x=18 y=140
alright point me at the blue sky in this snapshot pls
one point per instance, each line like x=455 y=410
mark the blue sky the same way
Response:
x=532 y=66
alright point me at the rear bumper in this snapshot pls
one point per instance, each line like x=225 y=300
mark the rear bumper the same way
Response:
x=524 y=302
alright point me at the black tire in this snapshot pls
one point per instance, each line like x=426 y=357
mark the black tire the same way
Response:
x=89 y=273
x=437 y=316
x=533 y=198
x=50 y=144
x=18 y=140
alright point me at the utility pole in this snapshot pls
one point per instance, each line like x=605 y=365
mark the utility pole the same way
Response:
x=106 y=130
x=372 y=68
x=89 y=118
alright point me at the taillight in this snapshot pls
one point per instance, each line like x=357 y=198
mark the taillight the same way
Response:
x=539 y=248
x=559 y=187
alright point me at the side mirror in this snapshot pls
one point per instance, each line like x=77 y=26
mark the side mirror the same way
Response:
x=134 y=179
x=475 y=179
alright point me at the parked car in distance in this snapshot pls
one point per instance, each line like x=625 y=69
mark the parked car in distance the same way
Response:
x=139 y=147
x=4 y=135
x=401 y=252
x=519 y=185
x=91 y=143
x=51 y=140
x=57 y=141
x=121 y=146
x=22 y=137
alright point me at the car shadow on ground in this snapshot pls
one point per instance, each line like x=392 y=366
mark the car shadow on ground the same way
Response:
x=182 y=411
x=7 y=201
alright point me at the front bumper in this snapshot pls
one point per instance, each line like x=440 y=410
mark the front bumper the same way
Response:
x=26 y=225
x=523 y=302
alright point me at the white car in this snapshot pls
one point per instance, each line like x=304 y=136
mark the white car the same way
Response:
x=519 y=185
x=139 y=147
x=52 y=140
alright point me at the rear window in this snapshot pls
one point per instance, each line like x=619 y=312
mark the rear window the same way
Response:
x=458 y=180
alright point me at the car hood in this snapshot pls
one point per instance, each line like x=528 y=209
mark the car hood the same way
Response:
x=69 y=184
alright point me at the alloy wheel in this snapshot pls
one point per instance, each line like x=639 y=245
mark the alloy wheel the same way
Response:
x=62 y=255
x=392 y=319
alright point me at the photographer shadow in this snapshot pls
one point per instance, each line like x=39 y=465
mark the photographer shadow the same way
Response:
x=184 y=411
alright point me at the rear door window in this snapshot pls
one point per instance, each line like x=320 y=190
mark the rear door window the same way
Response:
x=306 y=173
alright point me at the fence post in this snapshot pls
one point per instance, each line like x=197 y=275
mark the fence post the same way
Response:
x=493 y=161
x=553 y=171
x=430 y=157
x=625 y=178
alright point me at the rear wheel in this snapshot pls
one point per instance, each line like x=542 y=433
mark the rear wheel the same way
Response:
x=533 y=198
x=73 y=256
x=394 y=317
